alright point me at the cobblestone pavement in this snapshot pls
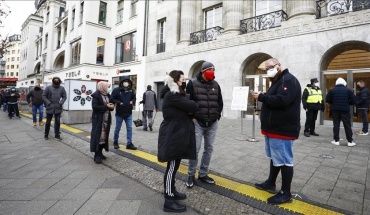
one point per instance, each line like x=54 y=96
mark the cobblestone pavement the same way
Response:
x=324 y=173
x=53 y=177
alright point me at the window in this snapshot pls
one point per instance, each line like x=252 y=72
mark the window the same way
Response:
x=73 y=19
x=18 y=51
x=126 y=48
x=13 y=58
x=17 y=58
x=81 y=12
x=120 y=11
x=267 y=6
x=46 y=40
x=213 y=17
x=47 y=16
x=76 y=52
x=7 y=67
x=16 y=73
x=11 y=66
x=102 y=13
x=11 y=73
x=17 y=68
x=100 y=51
x=161 y=42
x=13 y=51
x=61 y=12
x=133 y=7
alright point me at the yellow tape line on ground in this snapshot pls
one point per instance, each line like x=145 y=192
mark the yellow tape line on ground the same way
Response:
x=246 y=190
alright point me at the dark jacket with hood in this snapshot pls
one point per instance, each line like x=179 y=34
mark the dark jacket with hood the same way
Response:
x=208 y=96
x=363 y=97
x=281 y=106
x=35 y=96
x=54 y=97
x=99 y=108
x=124 y=98
x=176 y=139
x=12 y=96
x=340 y=98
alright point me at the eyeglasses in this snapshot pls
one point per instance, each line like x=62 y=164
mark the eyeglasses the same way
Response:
x=271 y=67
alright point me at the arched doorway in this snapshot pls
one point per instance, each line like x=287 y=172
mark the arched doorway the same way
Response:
x=59 y=61
x=195 y=69
x=254 y=77
x=349 y=60
x=37 y=68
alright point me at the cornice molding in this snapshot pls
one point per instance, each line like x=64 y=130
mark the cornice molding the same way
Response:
x=288 y=29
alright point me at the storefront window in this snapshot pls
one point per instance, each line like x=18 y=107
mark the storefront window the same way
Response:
x=126 y=48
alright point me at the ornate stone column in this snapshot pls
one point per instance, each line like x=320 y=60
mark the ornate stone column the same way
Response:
x=188 y=19
x=232 y=13
x=300 y=8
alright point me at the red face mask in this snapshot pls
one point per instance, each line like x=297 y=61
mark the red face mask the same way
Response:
x=209 y=74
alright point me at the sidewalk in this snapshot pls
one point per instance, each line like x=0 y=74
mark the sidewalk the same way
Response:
x=326 y=174
x=48 y=177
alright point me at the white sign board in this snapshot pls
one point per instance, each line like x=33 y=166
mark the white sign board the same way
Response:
x=78 y=94
x=240 y=98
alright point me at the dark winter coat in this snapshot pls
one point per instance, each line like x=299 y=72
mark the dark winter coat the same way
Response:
x=54 y=97
x=35 y=96
x=362 y=98
x=176 y=139
x=12 y=97
x=281 y=106
x=340 y=98
x=126 y=96
x=99 y=109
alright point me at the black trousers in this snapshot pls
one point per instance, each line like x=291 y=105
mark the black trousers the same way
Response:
x=56 y=124
x=169 y=177
x=311 y=116
x=346 y=118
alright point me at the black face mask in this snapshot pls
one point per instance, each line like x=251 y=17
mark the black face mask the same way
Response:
x=358 y=86
x=183 y=85
x=56 y=82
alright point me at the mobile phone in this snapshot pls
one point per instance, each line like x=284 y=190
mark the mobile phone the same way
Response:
x=251 y=91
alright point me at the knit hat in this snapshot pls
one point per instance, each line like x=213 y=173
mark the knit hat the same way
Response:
x=314 y=80
x=207 y=65
x=341 y=81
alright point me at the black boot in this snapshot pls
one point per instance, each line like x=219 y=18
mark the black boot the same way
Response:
x=116 y=146
x=97 y=158
x=179 y=196
x=173 y=206
x=101 y=152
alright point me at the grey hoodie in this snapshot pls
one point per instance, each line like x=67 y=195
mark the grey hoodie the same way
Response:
x=54 y=97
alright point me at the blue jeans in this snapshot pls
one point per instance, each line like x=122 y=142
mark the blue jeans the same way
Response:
x=209 y=134
x=128 y=121
x=34 y=112
x=365 y=122
x=280 y=151
x=5 y=106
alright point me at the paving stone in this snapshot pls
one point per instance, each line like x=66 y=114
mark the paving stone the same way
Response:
x=26 y=194
x=79 y=194
x=95 y=207
x=130 y=207
x=65 y=207
x=106 y=194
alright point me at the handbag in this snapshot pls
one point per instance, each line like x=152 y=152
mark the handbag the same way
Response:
x=138 y=122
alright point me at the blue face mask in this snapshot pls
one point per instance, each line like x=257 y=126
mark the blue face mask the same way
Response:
x=109 y=91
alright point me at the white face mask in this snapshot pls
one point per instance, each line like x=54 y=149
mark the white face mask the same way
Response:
x=125 y=84
x=109 y=91
x=316 y=84
x=272 y=72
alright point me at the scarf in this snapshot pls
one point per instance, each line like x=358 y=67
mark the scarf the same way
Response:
x=103 y=87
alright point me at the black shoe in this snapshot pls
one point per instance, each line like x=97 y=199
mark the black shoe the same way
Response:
x=306 y=134
x=46 y=137
x=206 y=179
x=190 y=181
x=173 y=206
x=145 y=129
x=58 y=137
x=116 y=146
x=179 y=196
x=103 y=157
x=280 y=198
x=131 y=146
x=19 y=117
x=314 y=134
x=266 y=186
x=97 y=159
x=150 y=128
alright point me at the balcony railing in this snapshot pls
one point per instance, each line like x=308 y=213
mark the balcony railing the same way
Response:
x=2 y=71
x=2 y=62
x=205 y=35
x=263 y=22
x=326 y=8
x=161 y=47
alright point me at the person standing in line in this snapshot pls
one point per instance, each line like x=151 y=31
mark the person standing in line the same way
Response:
x=5 y=103
x=362 y=104
x=150 y=103
x=124 y=98
x=340 y=99
x=206 y=92
x=101 y=121
x=1 y=98
x=34 y=99
x=54 y=97
x=280 y=124
x=312 y=102
x=176 y=139
x=12 y=98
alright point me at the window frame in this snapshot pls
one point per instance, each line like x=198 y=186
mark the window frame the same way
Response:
x=81 y=12
x=121 y=48
x=102 y=18
x=76 y=49
x=120 y=7
x=214 y=22
x=101 y=50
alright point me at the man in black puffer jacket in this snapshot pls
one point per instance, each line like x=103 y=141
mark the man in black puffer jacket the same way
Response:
x=280 y=123
x=362 y=104
x=340 y=98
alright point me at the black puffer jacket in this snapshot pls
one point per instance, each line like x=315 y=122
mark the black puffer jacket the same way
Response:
x=363 y=98
x=340 y=98
x=281 y=108
x=176 y=139
x=124 y=98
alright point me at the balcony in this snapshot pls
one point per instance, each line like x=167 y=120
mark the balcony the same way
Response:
x=205 y=35
x=2 y=71
x=2 y=62
x=263 y=22
x=161 y=47
x=325 y=8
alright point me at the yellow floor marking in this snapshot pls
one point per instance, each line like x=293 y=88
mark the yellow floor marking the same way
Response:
x=247 y=190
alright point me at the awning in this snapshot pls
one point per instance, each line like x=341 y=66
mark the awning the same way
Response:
x=8 y=79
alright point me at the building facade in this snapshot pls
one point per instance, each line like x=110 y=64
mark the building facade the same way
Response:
x=10 y=63
x=324 y=39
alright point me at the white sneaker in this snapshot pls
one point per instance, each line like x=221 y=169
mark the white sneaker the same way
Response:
x=335 y=142
x=362 y=133
x=351 y=144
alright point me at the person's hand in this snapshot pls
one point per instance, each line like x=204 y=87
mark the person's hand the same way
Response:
x=121 y=103
x=30 y=104
x=110 y=106
x=255 y=95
